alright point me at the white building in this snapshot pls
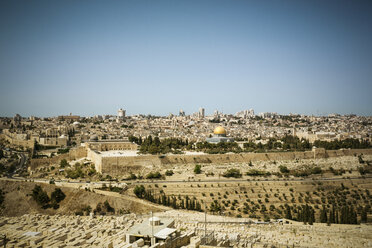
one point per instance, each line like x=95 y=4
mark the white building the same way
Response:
x=121 y=113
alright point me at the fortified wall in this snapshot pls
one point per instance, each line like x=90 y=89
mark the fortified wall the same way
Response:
x=18 y=142
x=273 y=156
x=75 y=153
x=122 y=165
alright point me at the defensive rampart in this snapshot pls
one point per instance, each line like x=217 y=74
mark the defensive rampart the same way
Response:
x=18 y=142
x=75 y=153
x=124 y=165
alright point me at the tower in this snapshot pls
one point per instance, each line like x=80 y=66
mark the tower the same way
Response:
x=201 y=112
x=121 y=113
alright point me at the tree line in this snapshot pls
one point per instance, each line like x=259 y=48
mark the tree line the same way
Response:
x=170 y=201
x=41 y=197
x=345 y=215
x=156 y=146
x=153 y=145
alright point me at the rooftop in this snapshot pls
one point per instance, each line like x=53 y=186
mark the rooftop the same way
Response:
x=145 y=229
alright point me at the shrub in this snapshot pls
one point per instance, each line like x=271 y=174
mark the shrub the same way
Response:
x=255 y=172
x=131 y=177
x=169 y=173
x=363 y=170
x=283 y=169
x=108 y=207
x=197 y=169
x=232 y=173
x=63 y=163
x=215 y=206
x=316 y=170
x=154 y=175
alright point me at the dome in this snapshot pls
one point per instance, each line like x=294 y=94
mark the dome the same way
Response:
x=219 y=130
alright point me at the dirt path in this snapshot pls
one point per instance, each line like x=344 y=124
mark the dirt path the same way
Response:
x=133 y=199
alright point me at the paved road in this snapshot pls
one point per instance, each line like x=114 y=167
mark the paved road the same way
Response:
x=100 y=183
x=251 y=180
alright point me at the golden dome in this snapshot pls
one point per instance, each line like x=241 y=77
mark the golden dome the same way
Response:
x=219 y=130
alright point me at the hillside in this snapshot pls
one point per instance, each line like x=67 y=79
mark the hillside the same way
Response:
x=18 y=201
x=265 y=199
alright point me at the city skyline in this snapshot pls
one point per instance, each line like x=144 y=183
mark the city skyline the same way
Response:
x=181 y=112
x=91 y=58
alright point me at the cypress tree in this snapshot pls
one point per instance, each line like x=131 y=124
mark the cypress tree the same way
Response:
x=187 y=202
x=323 y=215
x=174 y=202
x=312 y=217
x=364 y=217
x=332 y=216
x=288 y=214
x=354 y=216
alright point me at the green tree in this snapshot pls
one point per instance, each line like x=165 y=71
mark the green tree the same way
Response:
x=215 y=206
x=108 y=207
x=197 y=169
x=2 y=198
x=40 y=196
x=63 y=163
x=139 y=191
x=288 y=214
x=323 y=215
x=363 y=216
x=57 y=195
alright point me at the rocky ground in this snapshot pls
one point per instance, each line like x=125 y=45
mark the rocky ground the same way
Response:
x=37 y=230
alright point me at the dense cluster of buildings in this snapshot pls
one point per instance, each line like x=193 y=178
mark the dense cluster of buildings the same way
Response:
x=71 y=129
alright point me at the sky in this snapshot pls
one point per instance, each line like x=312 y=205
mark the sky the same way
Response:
x=157 y=57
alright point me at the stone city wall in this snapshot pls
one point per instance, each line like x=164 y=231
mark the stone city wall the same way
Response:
x=96 y=158
x=75 y=153
x=126 y=165
x=246 y=157
x=116 y=166
x=18 y=142
x=121 y=165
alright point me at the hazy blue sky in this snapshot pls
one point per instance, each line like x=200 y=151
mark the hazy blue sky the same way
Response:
x=92 y=57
